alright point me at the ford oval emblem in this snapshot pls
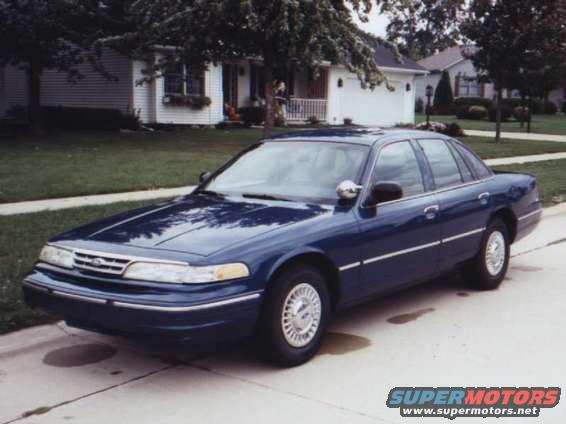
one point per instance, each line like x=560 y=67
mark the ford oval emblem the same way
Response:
x=96 y=262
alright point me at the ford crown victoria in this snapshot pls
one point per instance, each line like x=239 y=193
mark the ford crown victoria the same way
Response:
x=285 y=233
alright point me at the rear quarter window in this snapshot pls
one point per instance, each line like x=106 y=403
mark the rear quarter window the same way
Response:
x=477 y=166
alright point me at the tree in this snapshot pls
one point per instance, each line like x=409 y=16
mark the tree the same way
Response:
x=443 y=98
x=419 y=28
x=515 y=39
x=36 y=35
x=299 y=33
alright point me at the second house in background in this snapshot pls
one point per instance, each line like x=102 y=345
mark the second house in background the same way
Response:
x=183 y=96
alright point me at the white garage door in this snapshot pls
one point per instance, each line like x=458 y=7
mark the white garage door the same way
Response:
x=379 y=107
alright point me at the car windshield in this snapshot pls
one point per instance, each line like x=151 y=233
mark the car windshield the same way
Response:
x=291 y=170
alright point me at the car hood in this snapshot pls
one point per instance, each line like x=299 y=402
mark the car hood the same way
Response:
x=197 y=224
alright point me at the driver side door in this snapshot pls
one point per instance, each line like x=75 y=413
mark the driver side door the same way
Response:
x=399 y=239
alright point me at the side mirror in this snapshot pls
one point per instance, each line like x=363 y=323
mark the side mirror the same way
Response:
x=348 y=190
x=204 y=176
x=386 y=191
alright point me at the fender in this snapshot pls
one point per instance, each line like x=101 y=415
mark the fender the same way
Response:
x=294 y=254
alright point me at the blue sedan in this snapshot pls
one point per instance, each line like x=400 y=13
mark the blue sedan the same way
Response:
x=285 y=233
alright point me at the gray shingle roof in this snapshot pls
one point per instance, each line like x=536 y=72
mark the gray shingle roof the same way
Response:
x=442 y=60
x=386 y=58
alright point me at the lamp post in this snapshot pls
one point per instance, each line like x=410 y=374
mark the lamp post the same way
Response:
x=429 y=92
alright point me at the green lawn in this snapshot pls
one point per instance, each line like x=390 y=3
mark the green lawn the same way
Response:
x=69 y=163
x=21 y=238
x=72 y=163
x=542 y=124
x=551 y=176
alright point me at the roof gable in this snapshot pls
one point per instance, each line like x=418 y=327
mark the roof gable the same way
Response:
x=443 y=60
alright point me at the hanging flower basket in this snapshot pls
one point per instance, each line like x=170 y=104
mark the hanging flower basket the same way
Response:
x=194 y=102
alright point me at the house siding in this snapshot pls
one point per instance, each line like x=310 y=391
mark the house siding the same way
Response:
x=378 y=107
x=92 y=91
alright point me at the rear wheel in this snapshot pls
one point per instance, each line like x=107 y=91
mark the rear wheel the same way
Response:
x=487 y=270
x=296 y=315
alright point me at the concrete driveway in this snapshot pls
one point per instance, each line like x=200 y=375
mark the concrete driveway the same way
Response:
x=438 y=334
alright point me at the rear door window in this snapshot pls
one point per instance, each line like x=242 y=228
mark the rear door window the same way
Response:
x=443 y=166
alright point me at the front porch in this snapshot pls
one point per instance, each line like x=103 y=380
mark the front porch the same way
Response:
x=302 y=96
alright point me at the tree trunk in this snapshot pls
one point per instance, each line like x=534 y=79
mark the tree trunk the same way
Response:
x=269 y=94
x=530 y=115
x=34 y=98
x=522 y=114
x=498 y=115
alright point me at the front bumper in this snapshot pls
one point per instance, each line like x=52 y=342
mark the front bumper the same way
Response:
x=220 y=318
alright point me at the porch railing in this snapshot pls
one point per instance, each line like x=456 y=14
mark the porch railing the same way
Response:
x=302 y=109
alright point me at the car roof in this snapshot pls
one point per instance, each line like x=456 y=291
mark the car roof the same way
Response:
x=359 y=135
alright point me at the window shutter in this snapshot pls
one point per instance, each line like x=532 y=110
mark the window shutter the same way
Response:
x=253 y=80
x=482 y=89
x=457 y=86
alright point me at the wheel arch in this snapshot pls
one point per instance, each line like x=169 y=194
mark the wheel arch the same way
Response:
x=507 y=215
x=313 y=257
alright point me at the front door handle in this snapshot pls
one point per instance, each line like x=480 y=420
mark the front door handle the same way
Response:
x=431 y=211
x=484 y=197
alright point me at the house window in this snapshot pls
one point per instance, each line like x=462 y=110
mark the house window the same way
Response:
x=180 y=79
x=468 y=87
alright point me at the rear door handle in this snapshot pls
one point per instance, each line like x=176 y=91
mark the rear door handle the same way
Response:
x=484 y=197
x=431 y=211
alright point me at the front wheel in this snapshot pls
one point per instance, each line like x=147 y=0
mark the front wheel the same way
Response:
x=487 y=270
x=296 y=315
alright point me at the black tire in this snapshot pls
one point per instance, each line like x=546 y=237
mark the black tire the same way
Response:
x=275 y=343
x=477 y=272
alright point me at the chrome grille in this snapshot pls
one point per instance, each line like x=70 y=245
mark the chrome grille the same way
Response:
x=103 y=262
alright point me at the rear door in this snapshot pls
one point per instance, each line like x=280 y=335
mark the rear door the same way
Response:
x=399 y=239
x=463 y=198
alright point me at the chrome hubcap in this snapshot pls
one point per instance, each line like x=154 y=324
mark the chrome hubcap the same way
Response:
x=495 y=253
x=301 y=315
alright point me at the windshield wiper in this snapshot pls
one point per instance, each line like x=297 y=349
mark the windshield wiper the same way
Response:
x=209 y=193
x=264 y=196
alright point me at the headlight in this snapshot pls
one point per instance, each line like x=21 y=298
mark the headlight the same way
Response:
x=58 y=256
x=185 y=274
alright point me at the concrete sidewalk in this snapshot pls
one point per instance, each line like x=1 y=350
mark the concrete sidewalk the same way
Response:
x=518 y=136
x=443 y=335
x=103 y=199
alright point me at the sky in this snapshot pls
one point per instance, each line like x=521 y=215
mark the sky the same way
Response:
x=376 y=24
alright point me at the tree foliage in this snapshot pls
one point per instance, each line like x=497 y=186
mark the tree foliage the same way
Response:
x=419 y=28
x=517 y=41
x=443 y=97
x=298 y=33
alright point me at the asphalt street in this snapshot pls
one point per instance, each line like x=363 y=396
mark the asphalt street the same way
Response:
x=437 y=334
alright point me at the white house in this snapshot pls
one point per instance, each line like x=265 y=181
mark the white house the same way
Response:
x=335 y=95
x=463 y=75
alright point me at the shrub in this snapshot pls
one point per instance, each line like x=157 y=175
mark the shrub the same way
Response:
x=506 y=113
x=443 y=97
x=471 y=112
x=280 y=121
x=419 y=105
x=521 y=113
x=473 y=101
x=512 y=103
x=81 y=117
x=252 y=115
x=564 y=107
x=348 y=121
x=130 y=120
x=451 y=130
x=17 y=112
x=550 y=108
x=313 y=120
